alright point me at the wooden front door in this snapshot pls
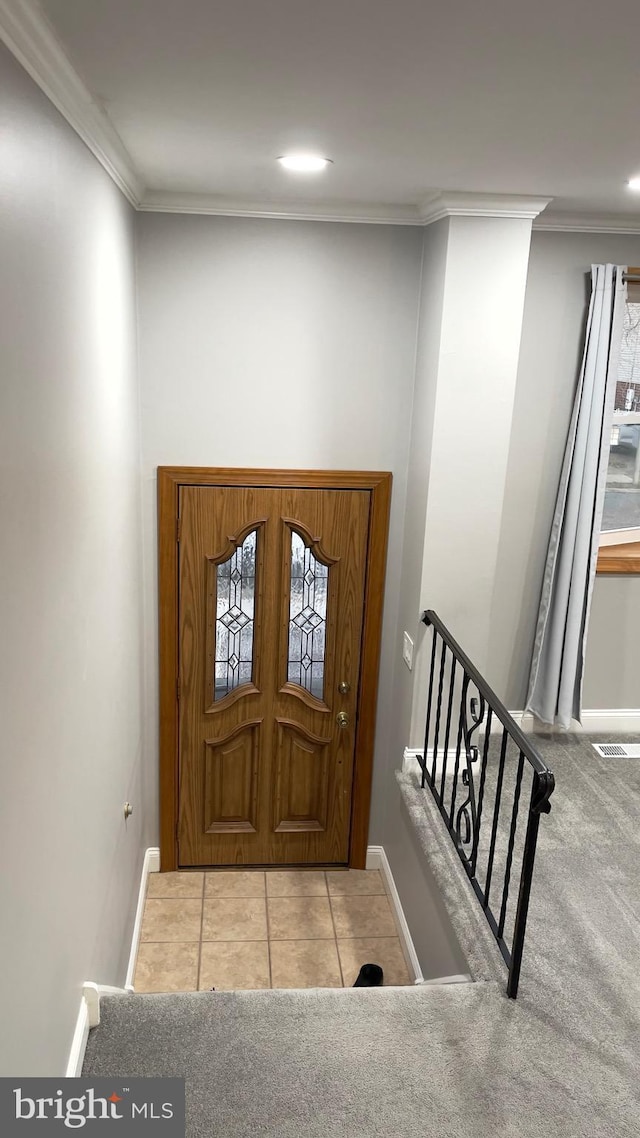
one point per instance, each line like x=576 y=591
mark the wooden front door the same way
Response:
x=271 y=606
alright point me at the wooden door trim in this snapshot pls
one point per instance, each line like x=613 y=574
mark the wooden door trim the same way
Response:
x=170 y=479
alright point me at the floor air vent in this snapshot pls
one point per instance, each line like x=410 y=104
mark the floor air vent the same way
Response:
x=617 y=750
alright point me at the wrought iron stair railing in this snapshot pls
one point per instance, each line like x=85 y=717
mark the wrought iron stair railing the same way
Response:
x=490 y=785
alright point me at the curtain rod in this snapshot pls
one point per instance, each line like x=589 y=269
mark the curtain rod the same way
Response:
x=634 y=275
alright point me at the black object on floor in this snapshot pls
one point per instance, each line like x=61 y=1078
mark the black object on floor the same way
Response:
x=369 y=976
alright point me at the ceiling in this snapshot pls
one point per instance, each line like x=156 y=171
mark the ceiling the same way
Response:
x=407 y=97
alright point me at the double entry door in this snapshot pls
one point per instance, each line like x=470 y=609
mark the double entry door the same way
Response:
x=271 y=609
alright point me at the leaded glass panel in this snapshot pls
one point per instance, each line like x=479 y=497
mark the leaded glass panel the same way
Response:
x=307 y=618
x=235 y=610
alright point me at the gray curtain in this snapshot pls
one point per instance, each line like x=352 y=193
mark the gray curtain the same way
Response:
x=555 y=681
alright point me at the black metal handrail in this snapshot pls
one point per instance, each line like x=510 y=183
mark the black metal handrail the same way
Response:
x=513 y=760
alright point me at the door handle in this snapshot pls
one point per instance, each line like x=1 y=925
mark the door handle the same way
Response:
x=342 y=719
x=344 y=688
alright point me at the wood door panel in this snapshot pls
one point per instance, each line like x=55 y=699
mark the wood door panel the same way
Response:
x=301 y=788
x=266 y=771
x=212 y=521
x=231 y=781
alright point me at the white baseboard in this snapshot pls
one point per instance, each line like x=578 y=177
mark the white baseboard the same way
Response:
x=89 y=1012
x=410 y=760
x=377 y=859
x=79 y=1042
x=618 y=720
x=88 y=1017
x=615 y=721
x=462 y=978
x=150 y=864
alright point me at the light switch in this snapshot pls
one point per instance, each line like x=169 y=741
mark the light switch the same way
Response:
x=407 y=650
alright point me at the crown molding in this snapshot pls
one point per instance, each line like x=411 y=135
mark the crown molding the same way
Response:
x=29 y=36
x=434 y=208
x=587 y=223
x=161 y=201
x=459 y=204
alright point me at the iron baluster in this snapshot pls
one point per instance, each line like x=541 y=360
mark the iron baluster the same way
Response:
x=454 y=789
x=496 y=815
x=483 y=776
x=436 y=736
x=429 y=701
x=464 y=822
x=468 y=810
x=512 y=840
x=452 y=678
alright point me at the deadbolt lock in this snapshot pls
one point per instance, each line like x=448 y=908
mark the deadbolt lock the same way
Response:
x=344 y=688
x=342 y=719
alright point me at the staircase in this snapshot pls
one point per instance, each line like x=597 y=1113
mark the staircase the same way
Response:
x=422 y=1062
x=429 y=1061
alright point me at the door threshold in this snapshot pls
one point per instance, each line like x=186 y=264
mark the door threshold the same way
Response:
x=321 y=865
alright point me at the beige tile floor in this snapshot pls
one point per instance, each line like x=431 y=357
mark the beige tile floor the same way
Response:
x=265 y=929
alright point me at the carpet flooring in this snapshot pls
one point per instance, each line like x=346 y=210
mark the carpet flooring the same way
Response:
x=563 y=1061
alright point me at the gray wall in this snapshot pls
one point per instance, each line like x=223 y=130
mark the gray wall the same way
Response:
x=554 y=317
x=70 y=607
x=612 y=672
x=278 y=344
x=432 y=933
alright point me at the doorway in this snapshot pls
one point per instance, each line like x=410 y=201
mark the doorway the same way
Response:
x=270 y=615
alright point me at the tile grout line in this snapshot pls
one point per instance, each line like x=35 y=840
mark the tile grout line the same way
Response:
x=335 y=931
x=204 y=881
x=279 y=939
x=140 y=940
x=266 y=909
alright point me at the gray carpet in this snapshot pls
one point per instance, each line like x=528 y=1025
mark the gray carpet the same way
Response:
x=453 y=1062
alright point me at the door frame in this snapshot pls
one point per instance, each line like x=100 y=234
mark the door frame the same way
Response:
x=170 y=479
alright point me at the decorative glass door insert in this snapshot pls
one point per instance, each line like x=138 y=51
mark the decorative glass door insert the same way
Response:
x=235 y=607
x=309 y=580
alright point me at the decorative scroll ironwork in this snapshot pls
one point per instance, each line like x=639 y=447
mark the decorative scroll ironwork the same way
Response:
x=307 y=618
x=235 y=611
x=467 y=812
x=484 y=778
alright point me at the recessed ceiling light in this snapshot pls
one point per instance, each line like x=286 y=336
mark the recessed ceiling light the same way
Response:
x=304 y=163
x=634 y=183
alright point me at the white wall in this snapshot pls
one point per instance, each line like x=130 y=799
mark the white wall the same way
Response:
x=552 y=336
x=466 y=372
x=472 y=297
x=477 y=372
x=278 y=344
x=70 y=609
x=435 y=244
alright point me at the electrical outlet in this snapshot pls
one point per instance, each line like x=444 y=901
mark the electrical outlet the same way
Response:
x=407 y=650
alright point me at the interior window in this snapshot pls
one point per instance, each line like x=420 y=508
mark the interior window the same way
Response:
x=620 y=531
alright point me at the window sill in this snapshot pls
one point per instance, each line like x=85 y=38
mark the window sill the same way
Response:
x=619 y=558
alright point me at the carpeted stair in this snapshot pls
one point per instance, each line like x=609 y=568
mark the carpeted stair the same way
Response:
x=457 y=1061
